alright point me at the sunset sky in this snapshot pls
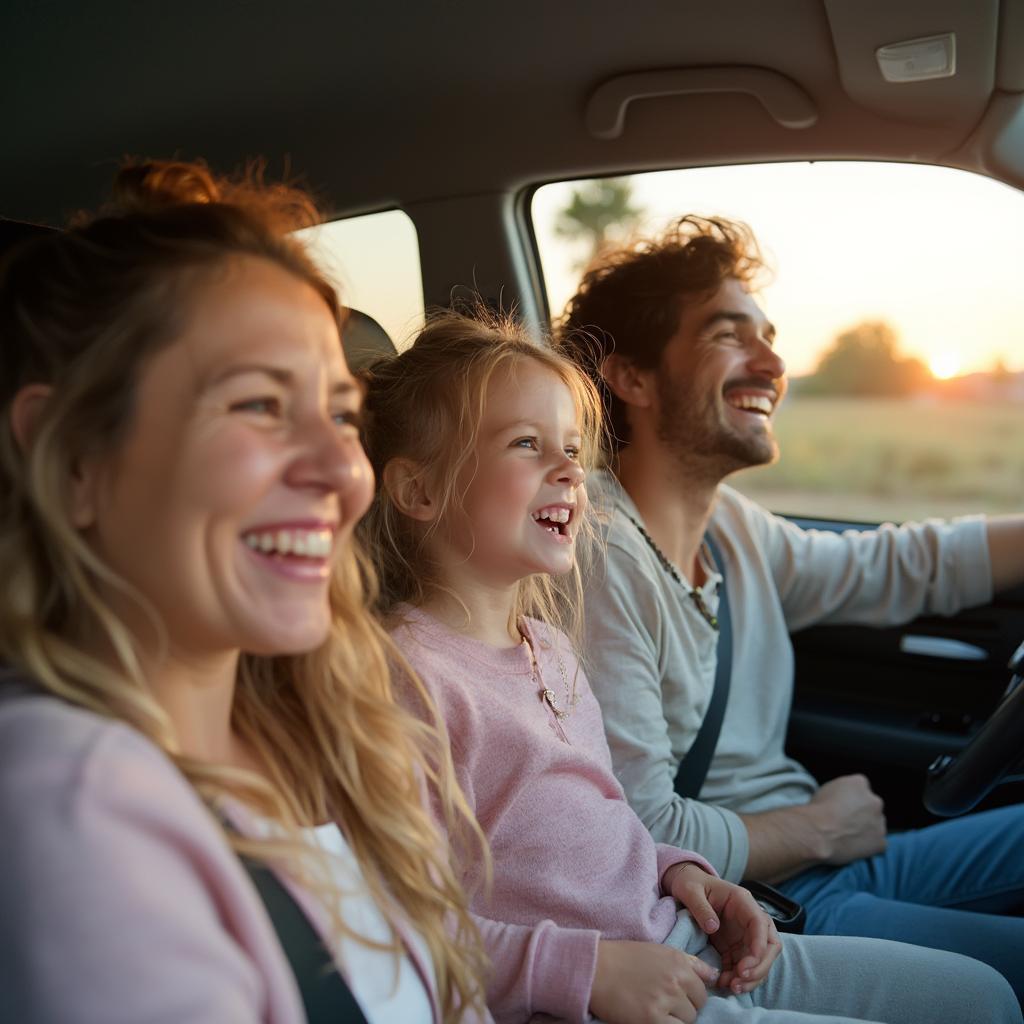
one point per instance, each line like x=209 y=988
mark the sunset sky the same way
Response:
x=935 y=252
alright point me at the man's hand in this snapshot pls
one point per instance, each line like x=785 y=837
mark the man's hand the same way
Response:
x=738 y=928
x=647 y=983
x=843 y=821
x=849 y=819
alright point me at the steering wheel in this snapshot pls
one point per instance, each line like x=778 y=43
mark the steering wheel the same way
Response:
x=956 y=784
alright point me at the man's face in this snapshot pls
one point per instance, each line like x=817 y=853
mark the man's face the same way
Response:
x=719 y=384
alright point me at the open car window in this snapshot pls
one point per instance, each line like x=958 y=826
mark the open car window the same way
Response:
x=896 y=295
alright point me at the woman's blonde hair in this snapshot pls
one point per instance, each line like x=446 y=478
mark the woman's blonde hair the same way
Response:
x=82 y=311
x=426 y=405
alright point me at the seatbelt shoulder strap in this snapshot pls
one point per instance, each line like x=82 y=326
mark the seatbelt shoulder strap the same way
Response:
x=693 y=768
x=325 y=994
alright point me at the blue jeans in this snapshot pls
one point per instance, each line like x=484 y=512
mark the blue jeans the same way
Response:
x=948 y=886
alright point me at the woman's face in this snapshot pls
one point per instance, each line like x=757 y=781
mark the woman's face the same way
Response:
x=241 y=474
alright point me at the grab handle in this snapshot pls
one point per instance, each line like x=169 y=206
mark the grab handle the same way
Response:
x=786 y=102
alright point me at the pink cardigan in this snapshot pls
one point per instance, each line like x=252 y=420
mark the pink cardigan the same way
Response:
x=120 y=900
x=572 y=861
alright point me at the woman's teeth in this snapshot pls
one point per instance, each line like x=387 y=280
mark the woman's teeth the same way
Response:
x=298 y=543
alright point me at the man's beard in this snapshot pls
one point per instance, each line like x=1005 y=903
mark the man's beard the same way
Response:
x=692 y=429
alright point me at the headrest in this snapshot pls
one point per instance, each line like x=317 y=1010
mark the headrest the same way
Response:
x=364 y=340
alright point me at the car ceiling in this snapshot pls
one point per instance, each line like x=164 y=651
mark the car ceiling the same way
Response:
x=385 y=104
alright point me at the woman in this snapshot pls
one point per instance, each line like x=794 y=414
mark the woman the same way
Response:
x=190 y=675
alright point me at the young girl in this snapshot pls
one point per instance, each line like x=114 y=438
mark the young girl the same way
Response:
x=189 y=673
x=480 y=440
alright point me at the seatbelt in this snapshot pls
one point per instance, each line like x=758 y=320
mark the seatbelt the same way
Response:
x=789 y=916
x=325 y=995
x=693 y=768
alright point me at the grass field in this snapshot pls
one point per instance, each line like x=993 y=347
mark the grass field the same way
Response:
x=893 y=459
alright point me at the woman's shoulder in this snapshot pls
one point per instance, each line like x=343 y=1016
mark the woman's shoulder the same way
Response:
x=59 y=762
x=38 y=726
x=116 y=881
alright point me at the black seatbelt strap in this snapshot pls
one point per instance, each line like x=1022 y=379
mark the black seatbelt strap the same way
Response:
x=789 y=916
x=693 y=768
x=325 y=995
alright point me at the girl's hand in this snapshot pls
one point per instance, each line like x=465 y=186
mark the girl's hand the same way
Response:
x=742 y=933
x=646 y=983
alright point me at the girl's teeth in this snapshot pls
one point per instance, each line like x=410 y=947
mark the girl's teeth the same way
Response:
x=555 y=515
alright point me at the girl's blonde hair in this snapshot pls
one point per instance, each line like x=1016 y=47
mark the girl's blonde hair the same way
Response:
x=426 y=405
x=82 y=311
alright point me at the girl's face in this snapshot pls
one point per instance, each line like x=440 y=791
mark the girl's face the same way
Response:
x=242 y=473
x=525 y=503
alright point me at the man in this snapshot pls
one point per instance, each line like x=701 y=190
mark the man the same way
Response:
x=685 y=359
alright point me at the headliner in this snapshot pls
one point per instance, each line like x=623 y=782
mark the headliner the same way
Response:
x=380 y=104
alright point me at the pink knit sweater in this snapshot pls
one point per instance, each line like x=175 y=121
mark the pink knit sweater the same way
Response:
x=572 y=862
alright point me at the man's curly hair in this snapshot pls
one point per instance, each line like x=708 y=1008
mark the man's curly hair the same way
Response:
x=631 y=298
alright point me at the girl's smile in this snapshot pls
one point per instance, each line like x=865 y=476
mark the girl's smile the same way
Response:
x=555 y=520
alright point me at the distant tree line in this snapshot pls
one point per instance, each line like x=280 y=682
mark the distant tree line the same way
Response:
x=865 y=360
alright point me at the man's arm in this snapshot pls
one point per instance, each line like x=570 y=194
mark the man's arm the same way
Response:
x=1006 y=550
x=880 y=577
x=843 y=822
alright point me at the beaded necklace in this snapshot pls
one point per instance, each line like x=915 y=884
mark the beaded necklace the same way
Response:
x=695 y=593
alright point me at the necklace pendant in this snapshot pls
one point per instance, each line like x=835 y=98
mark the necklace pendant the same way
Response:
x=698 y=599
x=552 y=702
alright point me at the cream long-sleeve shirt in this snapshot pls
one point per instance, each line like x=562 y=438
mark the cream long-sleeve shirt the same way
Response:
x=651 y=657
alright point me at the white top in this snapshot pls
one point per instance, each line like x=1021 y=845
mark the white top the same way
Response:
x=387 y=990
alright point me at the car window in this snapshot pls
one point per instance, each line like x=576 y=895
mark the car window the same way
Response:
x=374 y=259
x=896 y=292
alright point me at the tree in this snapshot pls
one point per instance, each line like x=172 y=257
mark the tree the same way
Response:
x=1001 y=374
x=599 y=211
x=865 y=360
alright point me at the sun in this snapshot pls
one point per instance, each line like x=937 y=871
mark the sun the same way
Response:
x=944 y=365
